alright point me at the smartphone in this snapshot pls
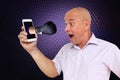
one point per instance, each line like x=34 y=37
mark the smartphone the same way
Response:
x=30 y=29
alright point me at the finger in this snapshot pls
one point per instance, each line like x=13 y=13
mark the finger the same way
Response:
x=22 y=28
x=23 y=40
x=22 y=37
x=22 y=34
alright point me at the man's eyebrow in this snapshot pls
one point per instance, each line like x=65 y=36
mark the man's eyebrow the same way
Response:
x=69 y=20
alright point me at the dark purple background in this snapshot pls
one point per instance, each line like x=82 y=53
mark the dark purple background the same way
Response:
x=16 y=63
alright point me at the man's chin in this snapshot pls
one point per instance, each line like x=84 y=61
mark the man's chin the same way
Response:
x=72 y=42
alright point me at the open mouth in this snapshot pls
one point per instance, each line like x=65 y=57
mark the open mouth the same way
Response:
x=71 y=35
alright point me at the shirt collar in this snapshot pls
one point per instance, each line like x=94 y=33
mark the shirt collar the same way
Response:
x=92 y=40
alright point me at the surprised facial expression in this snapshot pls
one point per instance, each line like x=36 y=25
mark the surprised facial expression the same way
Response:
x=75 y=27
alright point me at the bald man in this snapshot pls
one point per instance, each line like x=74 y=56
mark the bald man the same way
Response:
x=85 y=58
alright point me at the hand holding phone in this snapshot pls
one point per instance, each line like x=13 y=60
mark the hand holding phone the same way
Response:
x=30 y=29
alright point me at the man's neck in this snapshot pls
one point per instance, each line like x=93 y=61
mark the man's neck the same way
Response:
x=85 y=40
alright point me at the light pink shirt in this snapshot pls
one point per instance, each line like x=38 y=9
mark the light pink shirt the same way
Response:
x=94 y=61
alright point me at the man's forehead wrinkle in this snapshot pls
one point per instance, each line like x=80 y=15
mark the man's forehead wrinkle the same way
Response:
x=69 y=20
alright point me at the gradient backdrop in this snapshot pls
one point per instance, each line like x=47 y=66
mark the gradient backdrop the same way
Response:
x=16 y=63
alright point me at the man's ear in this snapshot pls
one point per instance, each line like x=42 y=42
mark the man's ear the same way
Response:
x=87 y=24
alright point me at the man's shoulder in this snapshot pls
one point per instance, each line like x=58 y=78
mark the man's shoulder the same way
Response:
x=105 y=43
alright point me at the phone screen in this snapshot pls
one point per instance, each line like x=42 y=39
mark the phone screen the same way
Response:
x=29 y=29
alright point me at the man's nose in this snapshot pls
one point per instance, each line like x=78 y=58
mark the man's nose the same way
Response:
x=67 y=28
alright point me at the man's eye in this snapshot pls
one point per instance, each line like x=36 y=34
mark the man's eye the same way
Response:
x=71 y=24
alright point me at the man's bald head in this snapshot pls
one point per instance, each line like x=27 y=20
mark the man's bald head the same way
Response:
x=80 y=12
x=78 y=22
